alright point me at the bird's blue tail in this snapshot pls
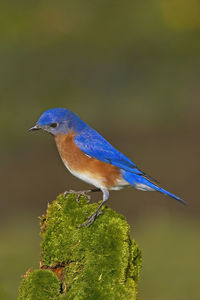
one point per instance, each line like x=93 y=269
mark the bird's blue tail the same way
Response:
x=141 y=183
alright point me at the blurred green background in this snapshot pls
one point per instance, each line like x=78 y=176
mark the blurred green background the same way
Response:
x=131 y=70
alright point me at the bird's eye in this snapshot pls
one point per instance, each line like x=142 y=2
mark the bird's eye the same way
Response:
x=53 y=125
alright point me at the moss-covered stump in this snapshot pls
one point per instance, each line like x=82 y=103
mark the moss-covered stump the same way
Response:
x=96 y=262
x=39 y=284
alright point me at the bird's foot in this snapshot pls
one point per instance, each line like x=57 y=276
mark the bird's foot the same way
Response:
x=91 y=219
x=79 y=194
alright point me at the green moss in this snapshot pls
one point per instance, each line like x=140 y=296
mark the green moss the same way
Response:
x=96 y=262
x=39 y=285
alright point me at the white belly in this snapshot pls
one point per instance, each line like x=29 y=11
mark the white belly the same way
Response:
x=87 y=177
x=95 y=181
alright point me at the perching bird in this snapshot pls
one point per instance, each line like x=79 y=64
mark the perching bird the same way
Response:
x=88 y=156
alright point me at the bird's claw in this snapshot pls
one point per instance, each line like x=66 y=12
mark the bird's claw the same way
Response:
x=79 y=194
x=91 y=219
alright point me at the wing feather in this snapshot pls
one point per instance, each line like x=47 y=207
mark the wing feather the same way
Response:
x=94 y=145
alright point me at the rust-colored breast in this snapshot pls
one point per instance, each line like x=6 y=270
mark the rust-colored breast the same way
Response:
x=79 y=162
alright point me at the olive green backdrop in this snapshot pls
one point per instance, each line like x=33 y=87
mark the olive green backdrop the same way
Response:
x=131 y=70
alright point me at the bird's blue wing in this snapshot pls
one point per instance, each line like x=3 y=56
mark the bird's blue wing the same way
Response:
x=93 y=144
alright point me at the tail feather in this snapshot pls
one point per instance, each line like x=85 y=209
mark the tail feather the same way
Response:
x=141 y=183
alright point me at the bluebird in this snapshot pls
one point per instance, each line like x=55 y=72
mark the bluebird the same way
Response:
x=90 y=157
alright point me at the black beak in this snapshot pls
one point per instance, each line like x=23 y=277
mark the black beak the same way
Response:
x=36 y=127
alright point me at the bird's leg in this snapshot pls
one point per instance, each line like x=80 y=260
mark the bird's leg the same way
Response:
x=91 y=219
x=81 y=193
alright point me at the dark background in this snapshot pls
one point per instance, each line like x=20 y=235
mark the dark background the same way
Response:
x=131 y=70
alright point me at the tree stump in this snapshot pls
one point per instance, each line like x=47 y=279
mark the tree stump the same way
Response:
x=93 y=263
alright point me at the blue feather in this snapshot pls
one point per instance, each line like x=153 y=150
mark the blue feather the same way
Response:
x=94 y=145
x=139 y=182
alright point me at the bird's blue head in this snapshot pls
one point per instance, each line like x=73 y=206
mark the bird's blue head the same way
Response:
x=59 y=121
